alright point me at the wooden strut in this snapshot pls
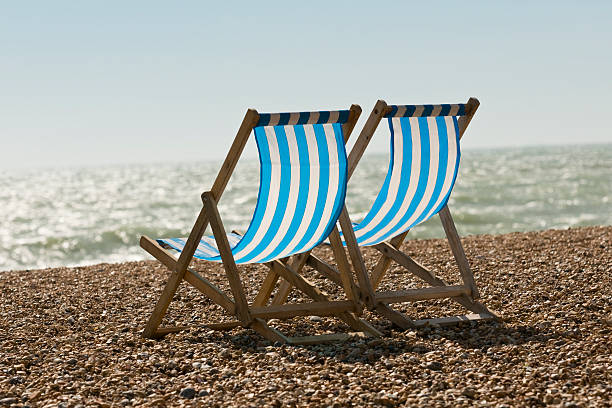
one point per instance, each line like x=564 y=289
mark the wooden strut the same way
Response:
x=255 y=316
x=465 y=294
x=300 y=260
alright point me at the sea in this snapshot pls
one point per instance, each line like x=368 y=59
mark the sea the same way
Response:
x=79 y=216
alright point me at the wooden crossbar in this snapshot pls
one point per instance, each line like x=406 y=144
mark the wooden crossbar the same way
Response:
x=451 y=320
x=411 y=295
x=327 y=338
x=328 y=308
x=191 y=276
x=253 y=316
x=325 y=269
x=464 y=294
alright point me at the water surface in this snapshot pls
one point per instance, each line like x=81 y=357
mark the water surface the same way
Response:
x=76 y=216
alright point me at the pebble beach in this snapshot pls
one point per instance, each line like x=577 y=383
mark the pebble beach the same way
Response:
x=72 y=336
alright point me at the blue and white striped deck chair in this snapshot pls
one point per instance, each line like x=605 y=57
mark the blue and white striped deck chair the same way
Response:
x=424 y=161
x=303 y=176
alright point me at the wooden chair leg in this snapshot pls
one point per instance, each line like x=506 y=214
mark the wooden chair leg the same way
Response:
x=418 y=270
x=178 y=273
x=315 y=294
x=270 y=333
x=266 y=289
x=365 y=285
x=384 y=261
x=285 y=287
x=162 y=304
x=343 y=265
x=242 y=307
x=458 y=252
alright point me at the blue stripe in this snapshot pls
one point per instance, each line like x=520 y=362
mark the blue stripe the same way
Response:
x=323 y=186
x=384 y=191
x=284 y=118
x=207 y=251
x=323 y=117
x=304 y=117
x=445 y=201
x=424 y=171
x=264 y=188
x=442 y=164
x=343 y=117
x=264 y=119
x=342 y=180
x=283 y=196
x=406 y=169
x=300 y=208
x=427 y=110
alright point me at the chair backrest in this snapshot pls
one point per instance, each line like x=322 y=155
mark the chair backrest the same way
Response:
x=422 y=170
x=303 y=176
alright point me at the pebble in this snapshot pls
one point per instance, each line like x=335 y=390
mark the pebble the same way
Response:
x=188 y=393
x=551 y=287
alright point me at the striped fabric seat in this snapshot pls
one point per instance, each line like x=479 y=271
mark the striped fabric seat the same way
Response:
x=303 y=176
x=423 y=167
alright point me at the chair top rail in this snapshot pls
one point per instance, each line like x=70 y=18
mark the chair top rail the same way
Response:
x=403 y=111
x=303 y=118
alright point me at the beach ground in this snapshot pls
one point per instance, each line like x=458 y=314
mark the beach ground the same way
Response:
x=71 y=336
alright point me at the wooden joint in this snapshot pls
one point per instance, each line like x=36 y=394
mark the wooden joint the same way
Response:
x=206 y=196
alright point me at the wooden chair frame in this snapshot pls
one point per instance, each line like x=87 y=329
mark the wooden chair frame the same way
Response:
x=255 y=315
x=378 y=302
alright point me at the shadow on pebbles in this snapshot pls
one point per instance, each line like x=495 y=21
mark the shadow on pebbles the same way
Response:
x=71 y=336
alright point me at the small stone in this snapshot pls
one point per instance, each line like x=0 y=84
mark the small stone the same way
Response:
x=16 y=380
x=203 y=393
x=316 y=319
x=188 y=393
x=434 y=365
x=469 y=392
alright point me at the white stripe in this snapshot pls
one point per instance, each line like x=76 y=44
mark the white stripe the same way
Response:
x=313 y=118
x=274 y=119
x=454 y=110
x=418 y=111
x=293 y=118
x=332 y=188
x=434 y=149
x=414 y=180
x=401 y=111
x=396 y=178
x=333 y=117
x=294 y=187
x=272 y=197
x=452 y=162
x=313 y=187
x=436 y=110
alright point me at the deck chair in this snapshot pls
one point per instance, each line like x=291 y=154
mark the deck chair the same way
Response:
x=303 y=176
x=422 y=171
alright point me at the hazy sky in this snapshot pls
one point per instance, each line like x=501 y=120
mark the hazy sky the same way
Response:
x=84 y=82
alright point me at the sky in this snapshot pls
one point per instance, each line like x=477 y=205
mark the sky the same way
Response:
x=108 y=82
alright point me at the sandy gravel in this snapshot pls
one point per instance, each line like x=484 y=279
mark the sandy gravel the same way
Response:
x=71 y=337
